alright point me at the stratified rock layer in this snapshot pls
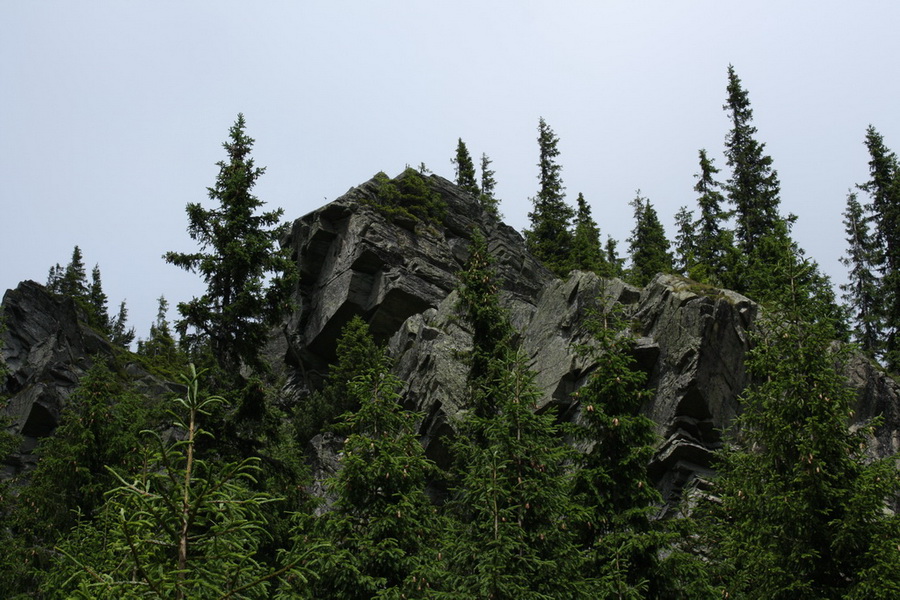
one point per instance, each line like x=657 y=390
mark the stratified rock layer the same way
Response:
x=400 y=276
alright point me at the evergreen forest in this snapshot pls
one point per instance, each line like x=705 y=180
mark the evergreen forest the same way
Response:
x=205 y=492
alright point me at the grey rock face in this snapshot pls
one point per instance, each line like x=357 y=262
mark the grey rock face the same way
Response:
x=690 y=339
x=46 y=349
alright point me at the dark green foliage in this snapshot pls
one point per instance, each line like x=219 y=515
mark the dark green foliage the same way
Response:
x=73 y=283
x=613 y=260
x=249 y=278
x=753 y=187
x=98 y=314
x=181 y=527
x=633 y=555
x=382 y=529
x=408 y=199
x=119 y=333
x=801 y=508
x=479 y=302
x=714 y=251
x=685 y=241
x=98 y=427
x=508 y=535
x=465 y=170
x=549 y=237
x=357 y=354
x=587 y=253
x=862 y=291
x=160 y=353
x=648 y=245
x=883 y=188
x=488 y=201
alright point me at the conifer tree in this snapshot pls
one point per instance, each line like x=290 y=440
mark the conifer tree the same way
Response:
x=883 y=188
x=714 y=242
x=633 y=554
x=356 y=354
x=98 y=315
x=685 y=241
x=613 y=260
x=753 y=187
x=249 y=279
x=801 y=508
x=587 y=252
x=861 y=292
x=465 y=170
x=648 y=245
x=488 y=201
x=119 y=333
x=181 y=527
x=74 y=279
x=382 y=528
x=509 y=537
x=549 y=237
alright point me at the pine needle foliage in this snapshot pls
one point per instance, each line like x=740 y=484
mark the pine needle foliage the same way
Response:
x=249 y=278
x=801 y=508
x=382 y=527
x=181 y=527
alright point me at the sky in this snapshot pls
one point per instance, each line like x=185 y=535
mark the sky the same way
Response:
x=113 y=114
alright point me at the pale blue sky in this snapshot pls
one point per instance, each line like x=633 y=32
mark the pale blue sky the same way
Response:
x=112 y=113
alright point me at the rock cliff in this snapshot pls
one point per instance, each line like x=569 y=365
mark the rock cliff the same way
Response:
x=400 y=275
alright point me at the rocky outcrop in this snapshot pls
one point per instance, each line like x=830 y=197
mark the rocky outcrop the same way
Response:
x=400 y=275
x=46 y=349
x=46 y=346
x=690 y=339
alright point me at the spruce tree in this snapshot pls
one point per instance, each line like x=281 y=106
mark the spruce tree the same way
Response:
x=753 y=187
x=249 y=279
x=685 y=241
x=73 y=283
x=861 y=292
x=487 y=198
x=615 y=263
x=883 y=188
x=508 y=537
x=714 y=250
x=800 y=509
x=549 y=237
x=587 y=252
x=648 y=245
x=356 y=354
x=382 y=528
x=465 y=170
x=119 y=333
x=633 y=554
x=180 y=527
x=98 y=315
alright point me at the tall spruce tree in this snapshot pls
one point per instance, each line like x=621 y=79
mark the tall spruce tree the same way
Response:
x=753 y=187
x=648 y=245
x=883 y=188
x=487 y=198
x=633 y=554
x=382 y=528
x=862 y=290
x=549 y=238
x=685 y=241
x=801 y=508
x=587 y=252
x=465 y=170
x=714 y=250
x=249 y=278
x=74 y=279
x=98 y=314
x=509 y=508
